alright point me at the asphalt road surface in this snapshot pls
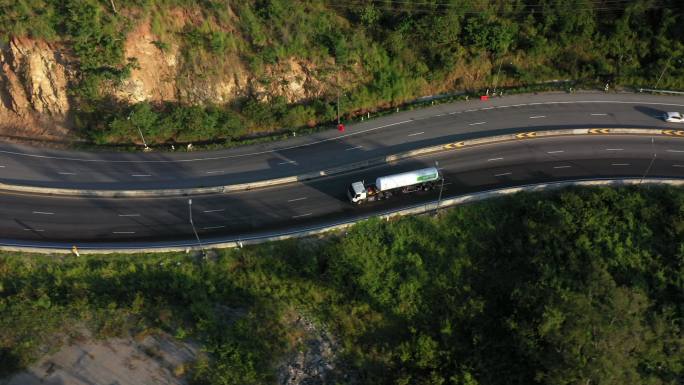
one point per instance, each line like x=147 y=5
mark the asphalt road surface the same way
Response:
x=30 y=218
x=386 y=135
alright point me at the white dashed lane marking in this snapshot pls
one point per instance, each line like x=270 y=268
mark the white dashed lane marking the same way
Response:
x=678 y=165
x=614 y=149
x=129 y=215
x=287 y=162
x=562 y=166
x=141 y=175
x=66 y=173
x=537 y=116
x=215 y=171
x=213 y=211
x=123 y=232
x=212 y=227
x=554 y=152
x=493 y=159
x=417 y=133
x=354 y=148
x=301 y=215
x=620 y=164
x=297 y=199
x=599 y=114
x=43 y=213
x=37 y=230
x=503 y=174
x=675 y=150
x=475 y=124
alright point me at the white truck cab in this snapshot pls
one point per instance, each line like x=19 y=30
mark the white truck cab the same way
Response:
x=356 y=192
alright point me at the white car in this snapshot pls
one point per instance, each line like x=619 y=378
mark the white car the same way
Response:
x=673 y=117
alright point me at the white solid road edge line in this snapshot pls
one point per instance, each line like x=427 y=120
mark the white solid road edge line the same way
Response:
x=414 y=210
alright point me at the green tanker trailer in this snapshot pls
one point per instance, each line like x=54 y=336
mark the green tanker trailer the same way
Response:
x=386 y=186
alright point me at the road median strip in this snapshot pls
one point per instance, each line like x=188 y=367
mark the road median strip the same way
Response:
x=144 y=193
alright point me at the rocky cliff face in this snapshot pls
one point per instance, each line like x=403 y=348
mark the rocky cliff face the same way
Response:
x=159 y=76
x=154 y=76
x=34 y=77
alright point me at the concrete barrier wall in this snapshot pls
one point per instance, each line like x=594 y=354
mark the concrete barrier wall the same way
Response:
x=414 y=210
x=331 y=171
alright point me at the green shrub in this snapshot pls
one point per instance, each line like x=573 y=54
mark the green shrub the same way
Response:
x=540 y=288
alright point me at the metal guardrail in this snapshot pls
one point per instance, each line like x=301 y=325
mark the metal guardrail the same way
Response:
x=661 y=91
x=240 y=241
x=428 y=98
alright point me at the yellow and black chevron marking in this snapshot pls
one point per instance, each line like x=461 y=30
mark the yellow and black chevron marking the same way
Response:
x=451 y=146
x=524 y=135
x=673 y=132
x=599 y=130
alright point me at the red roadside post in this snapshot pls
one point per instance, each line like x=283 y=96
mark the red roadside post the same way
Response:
x=340 y=127
x=484 y=97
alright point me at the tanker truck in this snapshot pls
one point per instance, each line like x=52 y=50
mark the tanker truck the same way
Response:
x=386 y=186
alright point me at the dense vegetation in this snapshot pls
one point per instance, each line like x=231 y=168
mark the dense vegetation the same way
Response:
x=388 y=51
x=583 y=286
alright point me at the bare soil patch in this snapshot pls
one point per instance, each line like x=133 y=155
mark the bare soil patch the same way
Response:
x=154 y=359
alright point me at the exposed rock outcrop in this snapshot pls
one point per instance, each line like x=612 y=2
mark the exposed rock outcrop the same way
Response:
x=314 y=362
x=33 y=88
x=35 y=76
x=153 y=78
x=295 y=80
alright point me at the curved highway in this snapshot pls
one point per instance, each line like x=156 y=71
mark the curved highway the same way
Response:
x=32 y=218
x=22 y=165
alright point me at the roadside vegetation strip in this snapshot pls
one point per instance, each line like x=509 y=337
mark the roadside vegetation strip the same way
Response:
x=610 y=265
x=239 y=242
x=142 y=193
